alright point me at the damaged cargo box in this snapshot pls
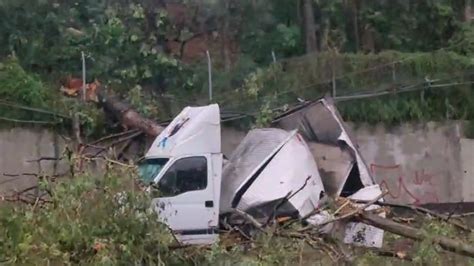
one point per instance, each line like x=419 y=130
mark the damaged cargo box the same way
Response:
x=271 y=172
x=341 y=166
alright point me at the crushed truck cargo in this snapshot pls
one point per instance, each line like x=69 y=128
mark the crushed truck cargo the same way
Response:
x=285 y=171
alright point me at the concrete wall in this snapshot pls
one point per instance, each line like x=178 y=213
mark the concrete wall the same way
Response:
x=230 y=139
x=416 y=163
x=467 y=162
x=422 y=163
x=20 y=149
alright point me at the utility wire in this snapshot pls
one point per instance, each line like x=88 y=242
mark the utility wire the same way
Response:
x=27 y=108
x=27 y=121
x=409 y=88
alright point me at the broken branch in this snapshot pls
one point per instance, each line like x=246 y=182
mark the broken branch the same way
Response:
x=45 y=159
x=390 y=253
x=413 y=233
x=286 y=198
x=425 y=211
x=117 y=142
x=114 y=136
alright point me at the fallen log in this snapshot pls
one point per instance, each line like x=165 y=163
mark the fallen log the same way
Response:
x=127 y=116
x=415 y=234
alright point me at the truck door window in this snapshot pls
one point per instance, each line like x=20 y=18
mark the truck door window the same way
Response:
x=149 y=169
x=184 y=175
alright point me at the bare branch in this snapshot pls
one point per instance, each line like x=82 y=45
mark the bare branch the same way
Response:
x=416 y=234
x=426 y=211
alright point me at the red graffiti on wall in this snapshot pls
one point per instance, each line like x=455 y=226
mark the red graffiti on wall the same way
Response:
x=387 y=174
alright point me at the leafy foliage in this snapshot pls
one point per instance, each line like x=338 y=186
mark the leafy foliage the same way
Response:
x=18 y=86
x=463 y=40
x=22 y=88
x=126 y=48
x=102 y=221
x=441 y=80
x=86 y=223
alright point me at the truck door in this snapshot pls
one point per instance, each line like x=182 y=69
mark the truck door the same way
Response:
x=189 y=197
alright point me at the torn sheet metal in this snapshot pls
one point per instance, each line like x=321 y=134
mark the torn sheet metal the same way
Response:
x=363 y=234
x=267 y=166
x=340 y=163
x=196 y=130
x=256 y=148
x=320 y=122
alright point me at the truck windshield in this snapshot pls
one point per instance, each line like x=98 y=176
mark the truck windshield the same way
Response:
x=150 y=168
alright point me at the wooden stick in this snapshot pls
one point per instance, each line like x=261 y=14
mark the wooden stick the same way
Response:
x=413 y=233
x=342 y=206
x=461 y=215
x=387 y=253
x=114 y=136
x=45 y=159
x=28 y=121
x=117 y=142
x=277 y=207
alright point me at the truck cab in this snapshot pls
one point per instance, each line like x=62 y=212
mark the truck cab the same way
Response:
x=185 y=164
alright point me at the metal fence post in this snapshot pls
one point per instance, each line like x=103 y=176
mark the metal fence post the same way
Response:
x=83 y=76
x=209 y=70
x=274 y=57
x=333 y=68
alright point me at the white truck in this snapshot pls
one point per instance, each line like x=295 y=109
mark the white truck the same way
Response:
x=271 y=172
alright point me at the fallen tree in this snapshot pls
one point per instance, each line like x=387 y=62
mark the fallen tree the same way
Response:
x=127 y=116
x=113 y=106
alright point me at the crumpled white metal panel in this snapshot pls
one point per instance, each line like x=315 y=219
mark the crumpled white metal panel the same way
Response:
x=292 y=171
x=255 y=148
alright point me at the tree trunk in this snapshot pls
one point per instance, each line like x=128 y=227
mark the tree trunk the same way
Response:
x=309 y=27
x=325 y=46
x=299 y=18
x=226 y=51
x=355 y=18
x=76 y=128
x=467 y=10
x=129 y=118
